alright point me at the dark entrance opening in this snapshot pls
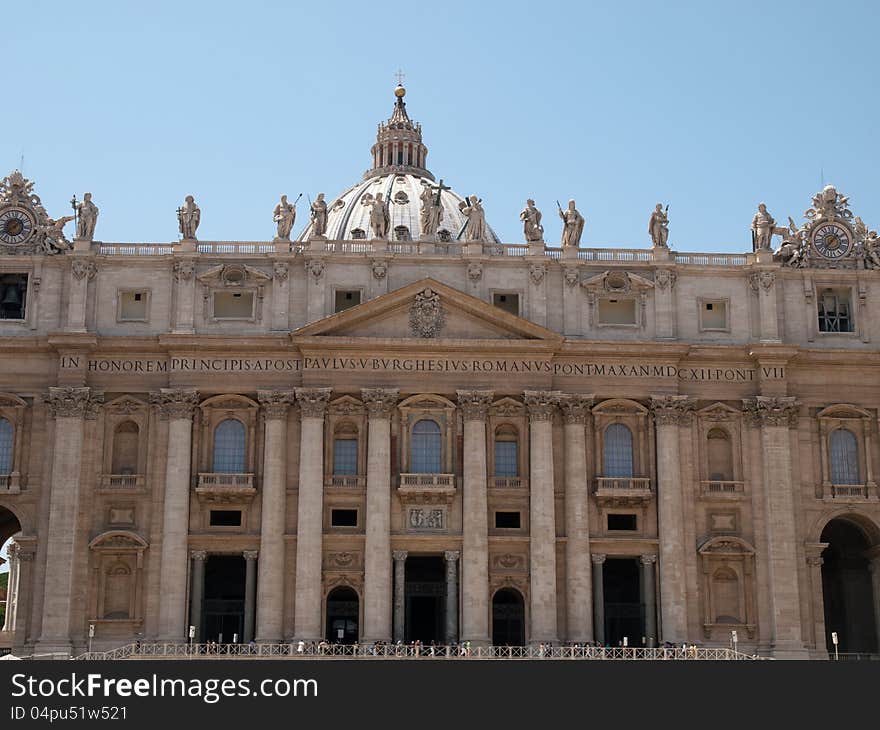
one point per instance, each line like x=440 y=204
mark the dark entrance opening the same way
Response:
x=624 y=613
x=223 y=617
x=508 y=618
x=846 y=589
x=342 y=616
x=425 y=598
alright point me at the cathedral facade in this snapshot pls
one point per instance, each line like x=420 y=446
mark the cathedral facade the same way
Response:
x=396 y=426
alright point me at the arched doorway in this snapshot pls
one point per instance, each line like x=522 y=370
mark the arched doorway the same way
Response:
x=342 y=616
x=508 y=618
x=847 y=592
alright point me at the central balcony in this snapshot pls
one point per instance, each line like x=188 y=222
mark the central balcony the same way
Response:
x=10 y=483
x=508 y=483
x=850 y=492
x=220 y=488
x=623 y=490
x=345 y=481
x=129 y=483
x=719 y=489
x=426 y=488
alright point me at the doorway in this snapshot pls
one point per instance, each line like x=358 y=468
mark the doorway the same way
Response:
x=508 y=618
x=425 y=598
x=223 y=612
x=624 y=613
x=342 y=616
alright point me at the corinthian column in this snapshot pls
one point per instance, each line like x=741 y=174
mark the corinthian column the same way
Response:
x=175 y=406
x=270 y=567
x=310 y=505
x=68 y=406
x=475 y=511
x=377 y=544
x=578 y=606
x=669 y=412
x=776 y=415
x=542 y=515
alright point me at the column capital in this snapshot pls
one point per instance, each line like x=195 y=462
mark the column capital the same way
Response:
x=541 y=404
x=575 y=407
x=450 y=556
x=671 y=410
x=380 y=402
x=200 y=555
x=474 y=404
x=597 y=558
x=175 y=403
x=399 y=555
x=763 y=410
x=313 y=401
x=251 y=554
x=648 y=559
x=73 y=402
x=275 y=403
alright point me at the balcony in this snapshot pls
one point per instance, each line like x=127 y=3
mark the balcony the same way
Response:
x=10 y=483
x=426 y=488
x=128 y=483
x=508 y=483
x=622 y=491
x=850 y=492
x=719 y=489
x=345 y=481
x=218 y=488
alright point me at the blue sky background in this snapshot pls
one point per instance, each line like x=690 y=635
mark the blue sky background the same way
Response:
x=710 y=107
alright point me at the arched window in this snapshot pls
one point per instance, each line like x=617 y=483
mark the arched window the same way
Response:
x=229 y=444
x=425 y=448
x=345 y=451
x=358 y=234
x=125 y=448
x=720 y=455
x=401 y=233
x=725 y=594
x=618 y=451
x=844 y=457
x=506 y=452
x=6 y=440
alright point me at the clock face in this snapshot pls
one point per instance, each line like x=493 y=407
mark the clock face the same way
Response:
x=16 y=226
x=832 y=240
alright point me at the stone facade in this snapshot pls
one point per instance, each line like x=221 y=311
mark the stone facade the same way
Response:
x=369 y=434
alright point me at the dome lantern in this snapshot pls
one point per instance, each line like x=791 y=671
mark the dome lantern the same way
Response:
x=399 y=147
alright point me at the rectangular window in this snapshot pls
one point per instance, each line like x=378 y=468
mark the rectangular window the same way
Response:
x=617 y=311
x=13 y=292
x=133 y=306
x=345 y=457
x=507 y=301
x=713 y=314
x=506 y=459
x=622 y=522
x=835 y=311
x=346 y=299
x=343 y=518
x=233 y=305
x=507 y=520
x=225 y=518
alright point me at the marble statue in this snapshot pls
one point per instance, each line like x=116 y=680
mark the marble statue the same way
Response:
x=658 y=226
x=319 y=216
x=285 y=216
x=53 y=236
x=475 y=228
x=572 y=225
x=380 y=217
x=763 y=227
x=189 y=217
x=431 y=211
x=87 y=217
x=531 y=218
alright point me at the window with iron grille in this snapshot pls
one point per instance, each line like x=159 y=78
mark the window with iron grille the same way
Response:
x=844 y=457
x=345 y=457
x=835 y=311
x=618 y=451
x=425 y=450
x=6 y=435
x=506 y=462
x=229 y=446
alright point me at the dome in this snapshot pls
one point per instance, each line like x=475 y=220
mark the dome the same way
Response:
x=400 y=175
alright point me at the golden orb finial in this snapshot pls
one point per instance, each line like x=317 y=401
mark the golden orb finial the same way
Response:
x=400 y=92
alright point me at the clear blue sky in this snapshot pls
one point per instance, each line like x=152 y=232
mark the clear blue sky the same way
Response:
x=709 y=107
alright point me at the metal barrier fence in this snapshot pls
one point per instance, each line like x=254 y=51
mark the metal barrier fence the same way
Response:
x=295 y=650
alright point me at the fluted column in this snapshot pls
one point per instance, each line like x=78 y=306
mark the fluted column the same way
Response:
x=598 y=560
x=578 y=606
x=451 y=558
x=399 y=593
x=270 y=568
x=69 y=407
x=197 y=593
x=646 y=563
x=310 y=505
x=377 y=542
x=542 y=515
x=775 y=416
x=669 y=412
x=250 y=593
x=176 y=406
x=475 y=517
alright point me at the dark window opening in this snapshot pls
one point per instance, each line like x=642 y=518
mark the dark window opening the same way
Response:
x=835 y=312
x=225 y=518
x=346 y=299
x=13 y=292
x=507 y=520
x=622 y=522
x=507 y=302
x=343 y=518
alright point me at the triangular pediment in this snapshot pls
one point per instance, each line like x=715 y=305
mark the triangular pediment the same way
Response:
x=428 y=310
